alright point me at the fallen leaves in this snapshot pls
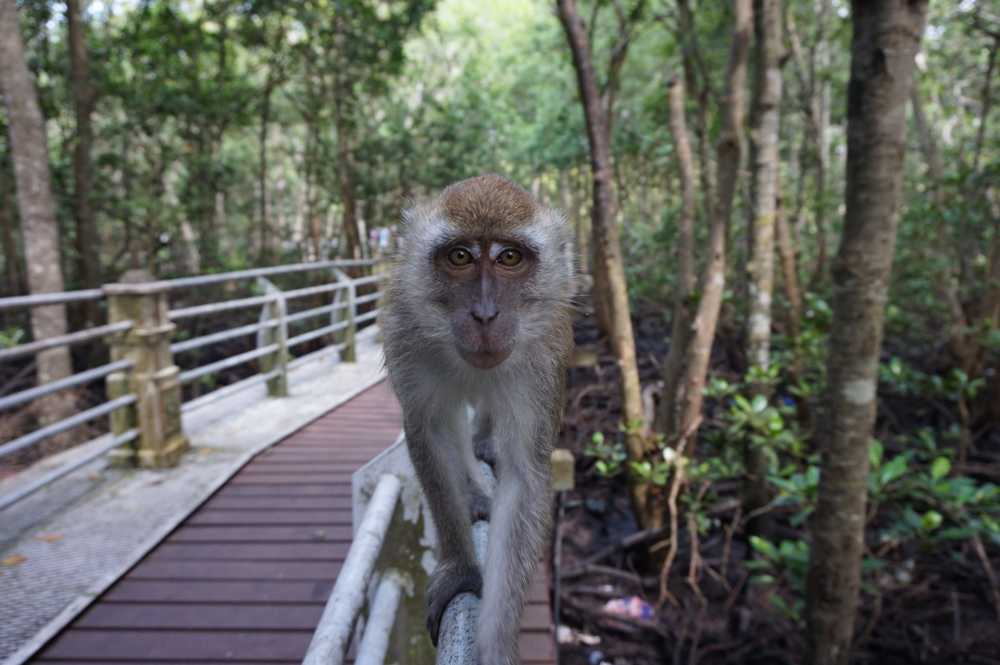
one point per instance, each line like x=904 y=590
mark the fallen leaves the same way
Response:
x=13 y=560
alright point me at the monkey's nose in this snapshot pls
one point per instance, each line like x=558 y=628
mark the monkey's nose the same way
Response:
x=484 y=312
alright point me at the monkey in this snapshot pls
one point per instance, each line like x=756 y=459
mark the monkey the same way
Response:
x=477 y=317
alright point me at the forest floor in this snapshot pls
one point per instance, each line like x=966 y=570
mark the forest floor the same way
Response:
x=927 y=605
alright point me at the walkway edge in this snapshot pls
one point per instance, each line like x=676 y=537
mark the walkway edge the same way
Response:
x=92 y=593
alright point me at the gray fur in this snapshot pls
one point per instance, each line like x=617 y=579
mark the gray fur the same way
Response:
x=518 y=405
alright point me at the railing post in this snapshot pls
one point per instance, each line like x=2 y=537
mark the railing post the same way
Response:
x=154 y=378
x=276 y=310
x=350 y=351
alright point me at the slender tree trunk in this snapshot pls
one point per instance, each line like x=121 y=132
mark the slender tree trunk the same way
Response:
x=885 y=42
x=958 y=341
x=264 y=230
x=607 y=248
x=674 y=365
x=760 y=268
x=713 y=280
x=87 y=243
x=40 y=230
x=987 y=103
x=790 y=277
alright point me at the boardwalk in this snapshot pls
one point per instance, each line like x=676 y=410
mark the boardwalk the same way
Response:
x=245 y=577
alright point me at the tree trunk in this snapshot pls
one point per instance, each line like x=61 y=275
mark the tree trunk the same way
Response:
x=760 y=268
x=87 y=243
x=264 y=230
x=39 y=228
x=13 y=269
x=885 y=41
x=790 y=279
x=607 y=248
x=713 y=281
x=680 y=332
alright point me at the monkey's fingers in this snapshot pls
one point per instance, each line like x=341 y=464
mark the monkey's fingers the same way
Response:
x=479 y=507
x=447 y=582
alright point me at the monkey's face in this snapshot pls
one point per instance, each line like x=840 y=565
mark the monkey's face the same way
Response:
x=481 y=284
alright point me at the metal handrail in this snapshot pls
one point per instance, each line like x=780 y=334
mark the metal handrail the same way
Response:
x=202 y=280
x=64 y=340
x=30 y=488
x=71 y=381
x=221 y=306
x=457 y=632
x=343 y=284
x=205 y=340
x=319 y=332
x=54 y=298
x=211 y=368
x=316 y=311
x=316 y=355
x=333 y=634
x=368 y=298
x=313 y=290
x=61 y=426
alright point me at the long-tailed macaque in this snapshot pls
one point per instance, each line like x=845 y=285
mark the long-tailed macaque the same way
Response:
x=477 y=315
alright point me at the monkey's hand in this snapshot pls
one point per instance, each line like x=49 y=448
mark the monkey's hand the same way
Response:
x=479 y=505
x=449 y=579
x=485 y=451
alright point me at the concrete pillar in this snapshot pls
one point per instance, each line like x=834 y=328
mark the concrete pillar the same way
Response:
x=153 y=378
x=274 y=311
x=349 y=314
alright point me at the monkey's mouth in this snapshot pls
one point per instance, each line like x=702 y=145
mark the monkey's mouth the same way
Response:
x=485 y=358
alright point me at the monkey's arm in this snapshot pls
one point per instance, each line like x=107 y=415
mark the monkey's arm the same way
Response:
x=437 y=451
x=519 y=528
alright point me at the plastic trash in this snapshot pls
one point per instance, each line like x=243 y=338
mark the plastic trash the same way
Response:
x=632 y=607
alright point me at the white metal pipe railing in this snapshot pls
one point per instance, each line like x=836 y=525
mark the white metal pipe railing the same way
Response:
x=315 y=311
x=30 y=488
x=375 y=640
x=64 y=340
x=367 y=317
x=232 y=361
x=205 y=340
x=368 y=298
x=24 y=396
x=333 y=634
x=319 y=332
x=341 y=322
x=202 y=280
x=221 y=306
x=457 y=632
x=65 y=424
x=316 y=355
x=226 y=391
x=371 y=279
x=314 y=290
x=55 y=298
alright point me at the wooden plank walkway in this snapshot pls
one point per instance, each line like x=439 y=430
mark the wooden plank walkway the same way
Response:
x=246 y=576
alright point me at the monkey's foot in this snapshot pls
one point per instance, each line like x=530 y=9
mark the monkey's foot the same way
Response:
x=485 y=451
x=479 y=506
x=447 y=581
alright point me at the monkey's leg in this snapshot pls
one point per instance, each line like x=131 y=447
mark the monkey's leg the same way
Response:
x=518 y=530
x=433 y=449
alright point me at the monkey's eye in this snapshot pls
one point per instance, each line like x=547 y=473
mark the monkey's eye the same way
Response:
x=509 y=258
x=460 y=256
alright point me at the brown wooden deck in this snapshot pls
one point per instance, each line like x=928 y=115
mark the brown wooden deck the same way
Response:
x=246 y=576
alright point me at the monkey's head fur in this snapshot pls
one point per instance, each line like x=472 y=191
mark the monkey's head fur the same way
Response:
x=484 y=272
